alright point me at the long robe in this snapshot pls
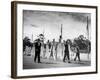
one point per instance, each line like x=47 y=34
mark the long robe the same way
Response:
x=60 y=51
x=48 y=51
x=54 y=51
x=42 y=51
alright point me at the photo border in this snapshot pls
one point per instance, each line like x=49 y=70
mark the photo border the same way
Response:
x=14 y=37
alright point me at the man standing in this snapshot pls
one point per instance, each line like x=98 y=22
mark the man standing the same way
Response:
x=77 y=53
x=37 y=50
x=66 y=52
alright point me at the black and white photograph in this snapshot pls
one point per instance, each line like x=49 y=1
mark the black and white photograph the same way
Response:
x=53 y=39
x=56 y=39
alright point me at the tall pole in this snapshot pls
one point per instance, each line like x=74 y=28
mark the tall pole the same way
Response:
x=87 y=28
x=61 y=31
x=43 y=34
x=61 y=39
x=32 y=37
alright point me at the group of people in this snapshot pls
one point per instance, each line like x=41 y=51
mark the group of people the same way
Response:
x=54 y=50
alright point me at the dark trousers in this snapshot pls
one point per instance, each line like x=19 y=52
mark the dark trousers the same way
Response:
x=66 y=55
x=37 y=56
x=77 y=56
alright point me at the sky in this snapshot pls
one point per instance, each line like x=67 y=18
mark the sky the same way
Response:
x=49 y=23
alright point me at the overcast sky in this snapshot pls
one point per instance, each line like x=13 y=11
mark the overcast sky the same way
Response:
x=73 y=24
